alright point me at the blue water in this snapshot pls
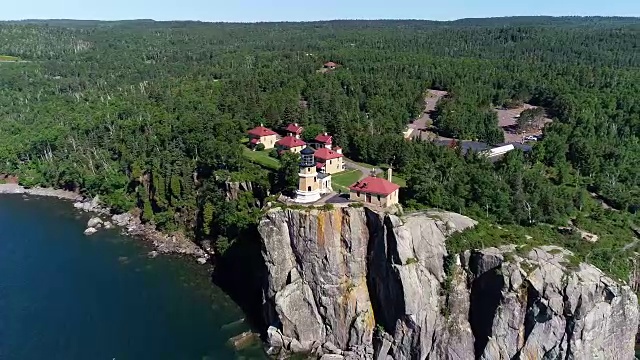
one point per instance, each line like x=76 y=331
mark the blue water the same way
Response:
x=67 y=296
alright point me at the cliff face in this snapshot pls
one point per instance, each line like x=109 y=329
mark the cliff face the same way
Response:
x=356 y=284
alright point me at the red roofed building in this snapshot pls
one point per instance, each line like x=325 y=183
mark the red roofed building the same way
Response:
x=329 y=161
x=294 y=130
x=291 y=144
x=376 y=191
x=264 y=136
x=325 y=140
x=330 y=65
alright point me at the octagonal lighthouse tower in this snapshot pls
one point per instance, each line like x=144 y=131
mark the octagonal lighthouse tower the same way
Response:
x=308 y=186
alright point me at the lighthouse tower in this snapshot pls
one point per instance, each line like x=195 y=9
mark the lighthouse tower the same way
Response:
x=309 y=185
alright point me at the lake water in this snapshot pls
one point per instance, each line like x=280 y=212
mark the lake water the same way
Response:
x=64 y=295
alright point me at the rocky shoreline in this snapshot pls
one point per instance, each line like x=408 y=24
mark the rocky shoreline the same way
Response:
x=175 y=243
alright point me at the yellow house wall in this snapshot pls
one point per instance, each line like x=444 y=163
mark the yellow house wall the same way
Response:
x=384 y=201
x=296 y=149
x=333 y=166
x=269 y=142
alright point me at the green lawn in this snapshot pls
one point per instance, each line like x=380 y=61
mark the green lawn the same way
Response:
x=343 y=180
x=399 y=181
x=262 y=158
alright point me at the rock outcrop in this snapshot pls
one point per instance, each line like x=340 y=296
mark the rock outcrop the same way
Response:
x=175 y=243
x=352 y=283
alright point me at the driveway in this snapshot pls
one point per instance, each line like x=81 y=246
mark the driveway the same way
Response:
x=366 y=171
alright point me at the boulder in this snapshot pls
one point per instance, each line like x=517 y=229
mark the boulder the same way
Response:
x=90 y=231
x=108 y=225
x=122 y=220
x=330 y=348
x=94 y=222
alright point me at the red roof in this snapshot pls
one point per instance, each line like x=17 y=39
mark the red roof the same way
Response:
x=326 y=154
x=294 y=128
x=319 y=165
x=254 y=141
x=290 y=142
x=261 y=131
x=324 y=138
x=375 y=185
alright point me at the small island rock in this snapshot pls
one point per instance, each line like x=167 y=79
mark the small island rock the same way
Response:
x=94 y=222
x=90 y=231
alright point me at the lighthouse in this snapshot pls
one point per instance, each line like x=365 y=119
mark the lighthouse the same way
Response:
x=309 y=185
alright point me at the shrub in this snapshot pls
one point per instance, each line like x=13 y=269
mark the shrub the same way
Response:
x=411 y=261
x=327 y=207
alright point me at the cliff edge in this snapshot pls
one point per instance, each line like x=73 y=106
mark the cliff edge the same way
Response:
x=356 y=284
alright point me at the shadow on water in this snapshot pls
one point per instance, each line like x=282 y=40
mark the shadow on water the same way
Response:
x=240 y=273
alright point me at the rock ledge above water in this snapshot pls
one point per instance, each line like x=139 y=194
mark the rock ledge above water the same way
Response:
x=353 y=284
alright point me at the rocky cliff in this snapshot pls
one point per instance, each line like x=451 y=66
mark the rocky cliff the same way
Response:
x=356 y=284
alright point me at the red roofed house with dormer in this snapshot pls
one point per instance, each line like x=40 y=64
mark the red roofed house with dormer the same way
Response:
x=329 y=161
x=324 y=140
x=294 y=130
x=291 y=144
x=376 y=191
x=262 y=135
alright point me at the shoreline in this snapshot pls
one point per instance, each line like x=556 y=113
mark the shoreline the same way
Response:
x=38 y=191
x=174 y=243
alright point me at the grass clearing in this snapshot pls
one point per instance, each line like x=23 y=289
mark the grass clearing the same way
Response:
x=8 y=58
x=399 y=181
x=343 y=180
x=262 y=158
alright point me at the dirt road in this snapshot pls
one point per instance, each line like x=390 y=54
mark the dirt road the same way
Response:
x=421 y=124
x=507 y=119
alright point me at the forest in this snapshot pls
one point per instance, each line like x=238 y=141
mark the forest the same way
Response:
x=151 y=115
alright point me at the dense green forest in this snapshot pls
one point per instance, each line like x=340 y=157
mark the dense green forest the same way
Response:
x=151 y=115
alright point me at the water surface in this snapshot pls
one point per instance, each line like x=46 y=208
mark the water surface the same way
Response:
x=64 y=295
